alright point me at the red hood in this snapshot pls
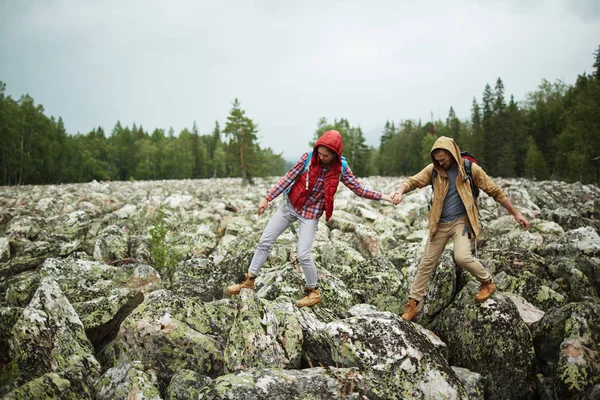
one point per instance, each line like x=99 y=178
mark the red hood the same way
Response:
x=332 y=140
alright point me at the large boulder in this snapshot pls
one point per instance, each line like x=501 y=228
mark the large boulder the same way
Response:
x=490 y=339
x=567 y=344
x=397 y=360
x=50 y=355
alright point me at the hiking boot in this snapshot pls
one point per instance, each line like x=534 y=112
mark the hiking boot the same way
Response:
x=486 y=290
x=411 y=310
x=246 y=282
x=311 y=297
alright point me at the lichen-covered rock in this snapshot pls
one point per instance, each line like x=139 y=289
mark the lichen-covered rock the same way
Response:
x=111 y=244
x=17 y=290
x=369 y=241
x=398 y=361
x=8 y=318
x=576 y=277
x=586 y=239
x=24 y=227
x=264 y=334
x=282 y=384
x=542 y=269
x=287 y=283
x=129 y=381
x=529 y=313
x=50 y=338
x=490 y=339
x=472 y=382
x=4 y=249
x=199 y=278
x=102 y=295
x=379 y=282
x=140 y=250
x=185 y=385
x=48 y=386
x=567 y=344
x=531 y=288
x=339 y=258
x=164 y=333
x=344 y=221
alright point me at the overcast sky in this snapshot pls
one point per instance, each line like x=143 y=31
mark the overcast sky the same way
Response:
x=162 y=64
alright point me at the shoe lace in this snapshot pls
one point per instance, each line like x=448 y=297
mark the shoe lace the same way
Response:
x=307 y=292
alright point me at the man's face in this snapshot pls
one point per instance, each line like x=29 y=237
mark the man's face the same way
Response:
x=444 y=159
x=325 y=155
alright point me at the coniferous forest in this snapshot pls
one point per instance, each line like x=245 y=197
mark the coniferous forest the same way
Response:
x=553 y=133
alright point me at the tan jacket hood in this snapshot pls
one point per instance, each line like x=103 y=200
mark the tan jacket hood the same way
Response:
x=450 y=145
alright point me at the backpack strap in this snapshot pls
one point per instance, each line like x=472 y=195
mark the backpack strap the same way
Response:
x=344 y=168
x=305 y=169
x=474 y=189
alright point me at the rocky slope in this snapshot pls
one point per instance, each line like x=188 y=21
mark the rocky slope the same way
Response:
x=115 y=291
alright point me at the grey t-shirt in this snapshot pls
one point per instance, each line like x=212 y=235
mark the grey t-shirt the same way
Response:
x=453 y=205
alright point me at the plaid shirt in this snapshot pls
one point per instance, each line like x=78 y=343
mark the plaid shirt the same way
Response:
x=315 y=203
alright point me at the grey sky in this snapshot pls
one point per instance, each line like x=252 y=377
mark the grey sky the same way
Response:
x=162 y=64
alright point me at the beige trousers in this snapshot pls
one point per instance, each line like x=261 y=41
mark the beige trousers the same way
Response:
x=460 y=231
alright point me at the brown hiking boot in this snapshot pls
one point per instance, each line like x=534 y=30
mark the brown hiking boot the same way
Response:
x=411 y=310
x=246 y=282
x=311 y=297
x=486 y=290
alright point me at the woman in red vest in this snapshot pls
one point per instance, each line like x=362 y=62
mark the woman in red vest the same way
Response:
x=311 y=193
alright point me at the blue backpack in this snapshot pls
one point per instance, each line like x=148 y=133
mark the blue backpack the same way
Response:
x=307 y=168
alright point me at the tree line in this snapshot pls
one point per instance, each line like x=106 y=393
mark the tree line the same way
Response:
x=36 y=149
x=553 y=134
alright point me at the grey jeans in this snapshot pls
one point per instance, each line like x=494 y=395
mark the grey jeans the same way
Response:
x=282 y=219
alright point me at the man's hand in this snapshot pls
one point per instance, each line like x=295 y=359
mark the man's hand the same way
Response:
x=397 y=197
x=522 y=220
x=262 y=206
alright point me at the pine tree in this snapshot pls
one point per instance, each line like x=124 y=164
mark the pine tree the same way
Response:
x=241 y=132
x=487 y=128
x=476 y=143
x=453 y=124
x=535 y=165
x=597 y=64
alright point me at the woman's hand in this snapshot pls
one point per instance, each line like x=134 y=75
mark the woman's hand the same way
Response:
x=262 y=206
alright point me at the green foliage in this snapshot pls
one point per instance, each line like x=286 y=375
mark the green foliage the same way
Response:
x=163 y=254
x=535 y=165
x=578 y=147
x=242 y=152
x=35 y=149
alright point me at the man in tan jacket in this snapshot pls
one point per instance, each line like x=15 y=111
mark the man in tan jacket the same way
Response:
x=453 y=215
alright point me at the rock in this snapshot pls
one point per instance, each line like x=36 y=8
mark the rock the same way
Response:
x=282 y=384
x=264 y=334
x=396 y=359
x=111 y=244
x=49 y=351
x=472 y=381
x=186 y=384
x=164 y=333
x=566 y=341
x=128 y=381
x=490 y=339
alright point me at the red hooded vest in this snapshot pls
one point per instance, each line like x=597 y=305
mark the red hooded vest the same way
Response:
x=298 y=193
